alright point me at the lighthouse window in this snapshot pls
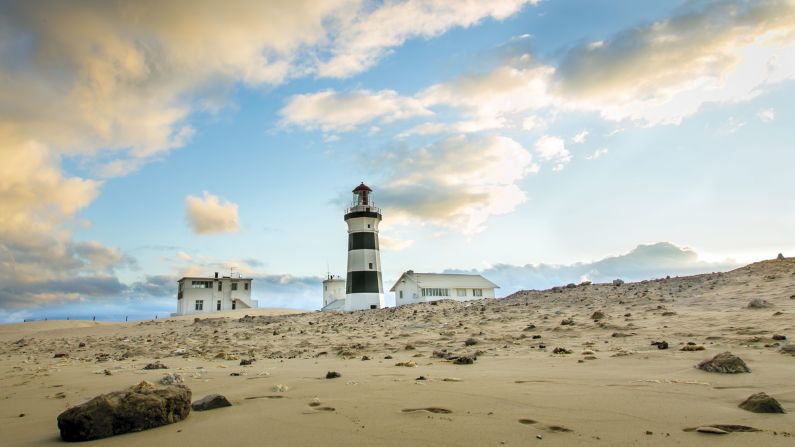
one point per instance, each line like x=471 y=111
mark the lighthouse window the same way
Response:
x=368 y=225
x=371 y=265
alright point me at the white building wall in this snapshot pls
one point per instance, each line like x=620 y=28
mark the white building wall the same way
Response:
x=333 y=289
x=210 y=297
x=412 y=293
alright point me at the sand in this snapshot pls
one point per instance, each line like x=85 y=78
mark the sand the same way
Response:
x=627 y=392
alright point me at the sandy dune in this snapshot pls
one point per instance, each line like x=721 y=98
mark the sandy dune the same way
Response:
x=613 y=388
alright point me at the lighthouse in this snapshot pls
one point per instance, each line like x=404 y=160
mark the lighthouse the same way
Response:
x=363 y=287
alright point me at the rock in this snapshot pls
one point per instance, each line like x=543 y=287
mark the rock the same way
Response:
x=364 y=357
x=171 y=379
x=779 y=337
x=692 y=348
x=567 y=322
x=780 y=257
x=598 y=315
x=725 y=362
x=246 y=362
x=788 y=349
x=618 y=282
x=60 y=355
x=758 y=303
x=81 y=345
x=210 y=402
x=571 y=285
x=761 y=403
x=560 y=350
x=712 y=430
x=333 y=375
x=660 y=344
x=409 y=364
x=529 y=327
x=155 y=365
x=137 y=408
x=464 y=360
x=470 y=342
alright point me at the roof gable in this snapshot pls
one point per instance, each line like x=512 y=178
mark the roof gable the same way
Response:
x=446 y=280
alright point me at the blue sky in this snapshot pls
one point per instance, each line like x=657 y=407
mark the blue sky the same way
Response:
x=527 y=140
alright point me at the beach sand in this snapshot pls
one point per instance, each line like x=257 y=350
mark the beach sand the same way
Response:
x=614 y=388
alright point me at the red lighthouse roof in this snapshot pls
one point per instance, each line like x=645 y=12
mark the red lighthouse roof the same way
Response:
x=362 y=187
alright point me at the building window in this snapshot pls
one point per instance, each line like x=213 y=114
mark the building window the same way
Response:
x=325 y=288
x=219 y=286
x=461 y=292
x=245 y=285
x=435 y=291
x=218 y=305
x=234 y=286
x=401 y=294
x=201 y=284
x=199 y=305
x=179 y=295
x=371 y=265
x=234 y=304
x=477 y=292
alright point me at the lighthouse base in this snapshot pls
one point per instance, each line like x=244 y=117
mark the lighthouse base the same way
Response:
x=363 y=301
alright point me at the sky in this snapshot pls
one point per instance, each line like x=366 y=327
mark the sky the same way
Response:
x=538 y=142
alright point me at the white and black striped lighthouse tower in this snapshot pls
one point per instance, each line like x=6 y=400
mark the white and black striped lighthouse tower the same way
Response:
x=363 y=287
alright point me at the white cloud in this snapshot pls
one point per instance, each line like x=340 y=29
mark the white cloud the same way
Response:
x=368 y=37
x=210 y=215
x=457 y=183
x=553 y=149
x=330 y=111
x=580 y=137
x=597 y=154
x=534 y=122
x=767 y=115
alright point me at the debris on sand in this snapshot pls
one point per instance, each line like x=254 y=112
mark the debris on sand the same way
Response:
x=171 y=379
x=660 y=344
x=725 y=362
x=758 y=303
x=761 y=403
x=210 y=402
x=137 y=408
x=408 y=364
x=464 y=360
x=155 y=365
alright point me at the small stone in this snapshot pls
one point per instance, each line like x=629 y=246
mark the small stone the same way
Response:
x=171 y=379
x=470 y=342
x=210 y=402
x=788 y=349
x=364 y=358
x=712 y=430
x=560 y=350
x=725 y=362
x=464 y=360
x=155 y=365
x=81 y=345
x=567 y=322
x=758 y=303
x=246 y=362
x=408 y=364
x=598 y=315
x=660 y=344
x=60 y=355
x=421 y=378
x=279 y=388
x=692 y=348
x=779 y=337
x=761 y=403
x=333 y=375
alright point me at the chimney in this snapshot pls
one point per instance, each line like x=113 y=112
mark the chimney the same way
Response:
x=216 y=275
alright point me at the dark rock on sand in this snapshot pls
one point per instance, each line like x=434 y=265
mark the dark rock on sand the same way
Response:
x=598 y=315
x=137 y=408
x=725 y=362
x=788 y=349
x=59 y=355
x=464 y=360
x=470 y=342
x=210 y=402
x=660 y=344
x=155 y=365
x=246 y=362
x=779 y=337
x=758 y=303
x=333 y=375
x=761 y=403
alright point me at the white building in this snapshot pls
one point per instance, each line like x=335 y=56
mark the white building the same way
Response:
x=334 y=293
x=413 y=288
x=197 y=295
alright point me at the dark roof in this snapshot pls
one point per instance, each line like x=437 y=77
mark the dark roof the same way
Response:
x=362 y=187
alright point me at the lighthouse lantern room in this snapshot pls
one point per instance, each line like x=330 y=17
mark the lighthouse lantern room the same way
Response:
x=363 y=286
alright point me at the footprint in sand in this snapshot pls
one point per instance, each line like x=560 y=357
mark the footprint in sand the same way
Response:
x=436 y=410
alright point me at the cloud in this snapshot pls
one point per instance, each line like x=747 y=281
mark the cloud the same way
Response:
x=368 y=37
x=643 y=262
x=333 y=111
x=210 y=215
x=553 y=149
x=597 y=154
x=767 y=115
x=456 y=183
x=580 y=137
